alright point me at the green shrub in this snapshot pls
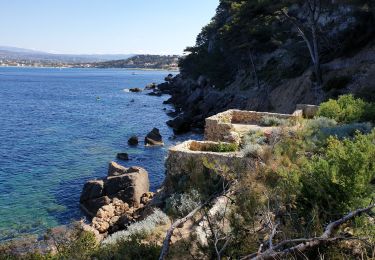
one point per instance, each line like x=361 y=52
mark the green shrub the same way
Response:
x=223 y=147
x=252 y=149
x=132 y=248
x=141 y=229
x=346 y=109
x=255 y=137
x=274 y=121
x=346 y=130
x=339 y=179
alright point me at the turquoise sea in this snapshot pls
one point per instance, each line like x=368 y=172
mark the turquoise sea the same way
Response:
x=61 y=127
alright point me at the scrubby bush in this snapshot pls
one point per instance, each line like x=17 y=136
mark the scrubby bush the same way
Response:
x=142 y=228
x=255 y=137
x=133 y=247
x=314 y=125
x=68 y=242
x=223 y=147
x=274 y=121
x=252 y=149
x=179 y=205
x=347 y=109
x=346 y=130
x=339 y=179
x=305 y=189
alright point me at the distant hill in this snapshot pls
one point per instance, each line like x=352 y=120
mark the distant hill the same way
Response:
x=20 y=54
x=143 y=62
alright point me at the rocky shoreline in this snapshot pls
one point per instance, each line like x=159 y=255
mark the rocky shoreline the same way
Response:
x=120 y=198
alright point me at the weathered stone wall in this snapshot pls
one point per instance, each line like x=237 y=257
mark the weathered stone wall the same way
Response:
x=220 y=127
x=308 y=111
x=254 y=118
x=216 y=130
x=185 y=158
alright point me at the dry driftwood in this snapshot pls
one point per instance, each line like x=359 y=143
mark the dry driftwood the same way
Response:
x=167 y=240
x=180 y=221
x=307 y=243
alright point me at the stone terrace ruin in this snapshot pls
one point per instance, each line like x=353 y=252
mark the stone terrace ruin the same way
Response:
x=231 y=125
x=225 y=128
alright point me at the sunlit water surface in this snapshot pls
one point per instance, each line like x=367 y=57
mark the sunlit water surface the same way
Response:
x=60 y=128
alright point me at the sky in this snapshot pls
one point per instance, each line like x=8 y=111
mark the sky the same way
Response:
x=104 y=26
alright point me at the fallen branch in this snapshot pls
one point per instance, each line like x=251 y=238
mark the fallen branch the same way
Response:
x=307 y=243
x=180 y=221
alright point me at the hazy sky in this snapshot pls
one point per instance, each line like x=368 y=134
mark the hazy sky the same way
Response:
x=104 y=26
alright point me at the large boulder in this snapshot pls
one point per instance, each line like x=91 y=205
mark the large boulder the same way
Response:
x=154 y=138
x=181 y=124
x=92 y=206
x=122 y=184
x=128 y=187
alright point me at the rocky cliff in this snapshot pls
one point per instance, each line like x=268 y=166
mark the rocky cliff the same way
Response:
x=255 y=55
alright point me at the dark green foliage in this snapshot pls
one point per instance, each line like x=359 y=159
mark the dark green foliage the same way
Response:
x=347 y=109
x=311 y=179
x=212 y=65
x=81 y=245
x=338 y=180
x=132 y=249
x=200 y=176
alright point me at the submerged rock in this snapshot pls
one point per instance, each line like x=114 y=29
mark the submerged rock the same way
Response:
x=123 y=156
x=151 y=86
x=156 y=93
x=135 y=90
x=154 y=138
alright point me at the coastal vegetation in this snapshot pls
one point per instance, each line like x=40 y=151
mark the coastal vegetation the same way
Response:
x=295 y=186
x=273 y=55
x=309 y=195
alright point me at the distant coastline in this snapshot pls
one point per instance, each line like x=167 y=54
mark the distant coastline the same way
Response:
x=74 y=67
x=149 y=62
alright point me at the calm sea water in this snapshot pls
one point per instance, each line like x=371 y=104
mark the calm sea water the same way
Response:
x=55 y=134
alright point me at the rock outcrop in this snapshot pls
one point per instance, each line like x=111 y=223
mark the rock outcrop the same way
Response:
x=114 y=201
x=273 y=73
x=133 y=140
x=123 y=156
x=135 y=90
x=154 y=138
x=122 y=184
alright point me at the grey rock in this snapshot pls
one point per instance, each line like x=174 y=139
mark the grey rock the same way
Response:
x=123 y=156
x=92 y=189
x=115 y=169
x=154 y=138
x=133 y=140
